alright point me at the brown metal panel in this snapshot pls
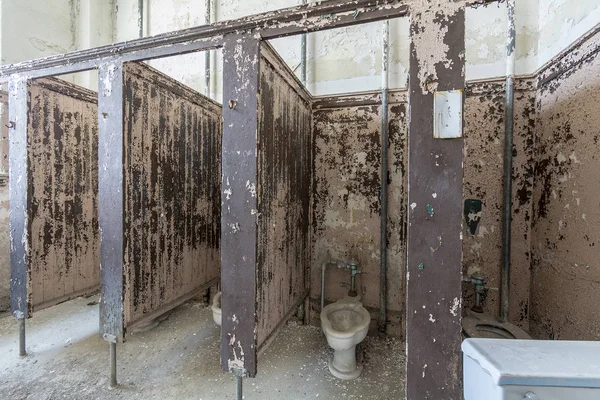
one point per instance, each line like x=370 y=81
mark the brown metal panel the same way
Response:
x=63 y=231
x=239 y=204
x=284 y=147
x=167 y=158
x=435 y=181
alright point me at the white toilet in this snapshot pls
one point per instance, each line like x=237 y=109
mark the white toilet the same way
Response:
x=505 y=369
x=345 y=324
x=216 y=308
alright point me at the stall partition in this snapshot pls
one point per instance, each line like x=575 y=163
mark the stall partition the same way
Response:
x=171 y=141
x=61 y=229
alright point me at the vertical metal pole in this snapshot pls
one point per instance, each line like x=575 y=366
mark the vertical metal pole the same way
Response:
x=22 y=350
x=508 y=161
x=140 y=18
x=303 y=55
x=207 y=54
x=384 y=180
x=238 y=387
x=113 y=364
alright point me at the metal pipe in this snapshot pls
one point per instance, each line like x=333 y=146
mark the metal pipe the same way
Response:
x=303 y=55
x=384 y=179
x=140 y=18
x=113 y=364
x=22 y=350
x=508 y=161
x=207 y=54
x=238 y=387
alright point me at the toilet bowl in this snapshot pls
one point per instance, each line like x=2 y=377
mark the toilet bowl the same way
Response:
x=216 y=308
x=476 y=325
x=345 y=324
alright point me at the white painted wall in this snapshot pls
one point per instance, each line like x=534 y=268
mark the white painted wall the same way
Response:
x=562 y=22
x=340 y=60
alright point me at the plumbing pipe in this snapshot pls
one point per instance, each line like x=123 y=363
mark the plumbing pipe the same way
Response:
x=207 y=54
x=323 y=267
x=508 y=161
x=113 y=364
x=384 y=179
x=303 y=55
x=141 y=18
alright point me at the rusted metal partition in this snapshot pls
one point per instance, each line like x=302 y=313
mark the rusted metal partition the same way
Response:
x=62 y=210
x=172 y=164
x=284 y=183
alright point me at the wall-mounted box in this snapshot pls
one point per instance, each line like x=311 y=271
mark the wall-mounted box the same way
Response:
x=448 y=114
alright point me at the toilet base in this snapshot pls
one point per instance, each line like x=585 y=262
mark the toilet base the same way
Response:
x=343 y=365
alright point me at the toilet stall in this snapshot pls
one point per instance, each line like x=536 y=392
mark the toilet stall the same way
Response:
x=265 y=263
x=61 y=240
x=168 y=226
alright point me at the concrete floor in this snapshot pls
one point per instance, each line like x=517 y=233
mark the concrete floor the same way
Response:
x=179 y=359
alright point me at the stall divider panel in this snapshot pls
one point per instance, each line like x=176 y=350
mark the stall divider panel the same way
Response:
x=284 y=191
x=172 y=159
x=62 y=228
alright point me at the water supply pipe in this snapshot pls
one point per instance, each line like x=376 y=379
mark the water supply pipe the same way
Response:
x=303 y=55
x=508 y=161
x=141 y=18
x=207 y=53
x=384 y=179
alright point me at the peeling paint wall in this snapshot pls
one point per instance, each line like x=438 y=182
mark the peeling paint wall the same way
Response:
x=172 y=204
x=63 y=214
x=283 y=193
x=346 y=206
x=483 y=169
x=565 y=284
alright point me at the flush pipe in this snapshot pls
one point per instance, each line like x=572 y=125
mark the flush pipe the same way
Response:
x=508 y=161
x=303 y=55
x=141 y=18
x=384 y=179
x=207 y=53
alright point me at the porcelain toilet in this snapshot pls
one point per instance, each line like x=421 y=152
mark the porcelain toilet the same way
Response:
x=345 y=324
x=216 y=308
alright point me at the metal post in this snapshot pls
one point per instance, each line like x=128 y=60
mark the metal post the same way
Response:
x=22 y=350
x=508 y=162
x=384 y=180
x=207 y=54
x=238 y=387
x=140 y=18
x=113 y=364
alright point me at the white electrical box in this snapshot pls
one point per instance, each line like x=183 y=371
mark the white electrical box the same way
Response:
x=448 y=114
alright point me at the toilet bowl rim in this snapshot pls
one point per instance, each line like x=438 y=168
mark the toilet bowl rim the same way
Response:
x=327 y=325
x=470 y=323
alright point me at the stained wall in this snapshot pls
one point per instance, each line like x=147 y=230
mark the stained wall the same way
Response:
x=63 y=237
x=346 y=205
x=172 y=197
x=483 y=181
x=565 y=280
x=283 y=193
